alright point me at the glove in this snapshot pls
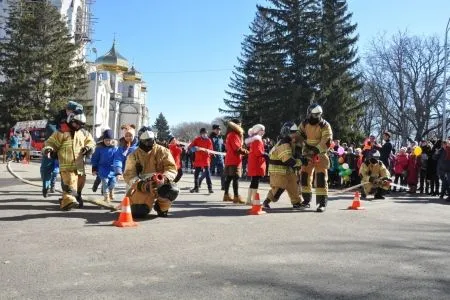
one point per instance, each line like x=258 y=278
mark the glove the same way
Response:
x=194 y=149
x=48 y=151
x=85 y=150
x=315 y=150
x=144 y=185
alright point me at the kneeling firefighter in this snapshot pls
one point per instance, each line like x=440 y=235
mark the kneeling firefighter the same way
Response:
x=375 y=176
x=150 y=172
x=283 y=166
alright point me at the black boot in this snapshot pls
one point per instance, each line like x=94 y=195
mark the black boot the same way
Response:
x=306 y=199
x=45 y=192
x=194 y=190
x=96 y=184
x=322 y=202
x=210 y=190
x=266 y=204
x=162 y=214
x=52 y=189
x=80 y=200
x=379 y=194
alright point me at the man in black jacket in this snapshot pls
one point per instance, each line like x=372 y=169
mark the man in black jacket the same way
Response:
x=386 y=149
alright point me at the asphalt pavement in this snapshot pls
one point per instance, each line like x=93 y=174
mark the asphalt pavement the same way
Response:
x=397 y=248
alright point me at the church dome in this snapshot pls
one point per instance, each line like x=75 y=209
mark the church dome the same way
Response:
x=132 y=75
x=112 y=61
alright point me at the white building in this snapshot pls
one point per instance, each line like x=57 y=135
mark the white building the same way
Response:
x=120 y=95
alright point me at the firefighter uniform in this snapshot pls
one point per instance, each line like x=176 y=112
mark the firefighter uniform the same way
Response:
x=140 y=166
x=317 y=137
x=375 y=176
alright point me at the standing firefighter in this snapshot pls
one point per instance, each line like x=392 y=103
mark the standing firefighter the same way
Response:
x=150 y=171
x=282 y=168
x=71 y=147
x=317 y=136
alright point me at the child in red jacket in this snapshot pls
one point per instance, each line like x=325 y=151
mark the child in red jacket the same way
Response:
x=200 y=146
x=256 y=159
x=176 y=151
x=400 y=167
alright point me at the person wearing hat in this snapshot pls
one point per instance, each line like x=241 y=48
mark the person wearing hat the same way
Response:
x=71 y=148
x=200 y=146
x=233 y=160
x=256 y=159
x=128 y=143
x=150 y=171
x=176 y=151
x=400 y=168
x=375 y=176
x=102 y=164
x=386 y=150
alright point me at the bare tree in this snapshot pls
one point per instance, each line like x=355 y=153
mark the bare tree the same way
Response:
x=187 y=131
x=402 y=76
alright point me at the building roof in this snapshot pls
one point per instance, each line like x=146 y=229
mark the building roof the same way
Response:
x=112 y=60
x=132 y=75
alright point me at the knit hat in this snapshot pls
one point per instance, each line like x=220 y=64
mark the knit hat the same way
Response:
x=128 y=128
x=403 y=149
x=108 y=134
x=255 y=129
x=215 y=126
x=202 y=130
x=170 y=138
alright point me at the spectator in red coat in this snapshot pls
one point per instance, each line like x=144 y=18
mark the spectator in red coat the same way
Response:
x=401 y=167
x=256 y=159
x=201 y=146
x=233 y=159
x=176 y=151
x=413 y=171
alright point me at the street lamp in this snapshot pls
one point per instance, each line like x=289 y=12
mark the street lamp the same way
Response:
x=95 y=97
x=444 y=94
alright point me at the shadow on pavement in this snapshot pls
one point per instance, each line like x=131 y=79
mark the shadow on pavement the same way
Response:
x=90 y=217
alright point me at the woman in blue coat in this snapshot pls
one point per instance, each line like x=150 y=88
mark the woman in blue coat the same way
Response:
x=102 y=164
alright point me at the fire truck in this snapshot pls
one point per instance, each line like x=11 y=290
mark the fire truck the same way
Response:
x=36 y=128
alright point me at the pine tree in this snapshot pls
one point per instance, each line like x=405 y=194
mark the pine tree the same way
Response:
x=38 y=61
x=296 y=25
x=337 y=80
x=256 y=80
x=162 y=127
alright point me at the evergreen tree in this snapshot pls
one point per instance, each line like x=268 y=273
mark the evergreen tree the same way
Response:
x=337 y=81
x=162 y=127
x=255 y=83
x=38 y=61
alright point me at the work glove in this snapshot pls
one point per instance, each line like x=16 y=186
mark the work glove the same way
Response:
x=85 y=150
x=48 y=151
x=194 y=149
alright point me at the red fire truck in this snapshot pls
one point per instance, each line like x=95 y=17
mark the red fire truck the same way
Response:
x=36 y=128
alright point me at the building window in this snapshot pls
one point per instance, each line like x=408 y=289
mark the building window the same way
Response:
x=130 y=91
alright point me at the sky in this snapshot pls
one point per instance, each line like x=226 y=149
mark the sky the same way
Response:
x=186 y=50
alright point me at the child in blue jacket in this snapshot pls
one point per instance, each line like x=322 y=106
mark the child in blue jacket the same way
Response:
x=127 y=145
x=102 y=164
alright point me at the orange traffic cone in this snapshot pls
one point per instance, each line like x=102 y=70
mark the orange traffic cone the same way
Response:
x=356 y=204
x=256 y=206
x=125 y=217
